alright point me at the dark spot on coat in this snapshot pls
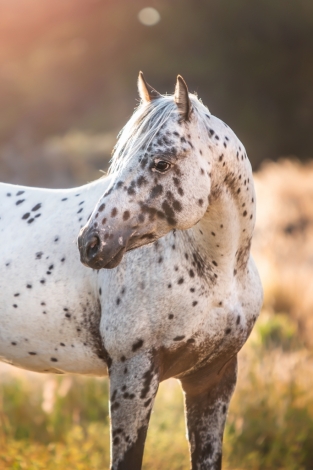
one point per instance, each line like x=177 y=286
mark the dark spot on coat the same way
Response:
x=147 y=403
x=141 y=180
x=147 y=376
x=137 y=345
x=176 y=181
x=179 y=338
x=126 y=215
x=168 y=210
x=177 y=206
x=156 y=191
x=144 y=162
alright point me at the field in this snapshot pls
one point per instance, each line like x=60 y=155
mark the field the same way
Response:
x=49 y=422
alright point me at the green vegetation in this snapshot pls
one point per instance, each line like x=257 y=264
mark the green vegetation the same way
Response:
x=279 y=331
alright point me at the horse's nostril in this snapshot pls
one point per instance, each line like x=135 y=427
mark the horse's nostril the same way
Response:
x=93 y=246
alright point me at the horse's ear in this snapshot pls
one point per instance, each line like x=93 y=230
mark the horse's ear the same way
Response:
x=181 y=97
x=146 y=92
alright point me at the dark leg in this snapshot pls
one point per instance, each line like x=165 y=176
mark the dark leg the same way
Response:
x=133 y=386
x=207 y=396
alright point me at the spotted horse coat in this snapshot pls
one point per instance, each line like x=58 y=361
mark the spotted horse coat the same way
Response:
x=180 y=187
x=183 y=304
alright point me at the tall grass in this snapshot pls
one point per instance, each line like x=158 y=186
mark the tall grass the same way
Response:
x=58 y=422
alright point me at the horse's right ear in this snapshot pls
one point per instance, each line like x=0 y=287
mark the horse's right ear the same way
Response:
x=146 y=92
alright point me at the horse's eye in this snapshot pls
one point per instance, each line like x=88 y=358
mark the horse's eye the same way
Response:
x=161 y=166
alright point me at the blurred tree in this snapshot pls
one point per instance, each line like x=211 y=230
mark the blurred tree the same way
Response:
x=74 y=64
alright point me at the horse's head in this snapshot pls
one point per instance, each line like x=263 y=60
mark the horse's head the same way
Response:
x=160 y=177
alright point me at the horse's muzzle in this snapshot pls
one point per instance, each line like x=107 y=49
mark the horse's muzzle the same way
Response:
x=97 y=254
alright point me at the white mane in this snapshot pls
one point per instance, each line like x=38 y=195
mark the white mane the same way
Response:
x=144 y=125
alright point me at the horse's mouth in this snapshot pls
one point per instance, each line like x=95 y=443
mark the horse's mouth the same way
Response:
x=99 y=262
x=133 y=243
x=115 y=261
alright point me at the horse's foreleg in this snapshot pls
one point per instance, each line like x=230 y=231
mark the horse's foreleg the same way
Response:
x=133 y=386
x=207 y=396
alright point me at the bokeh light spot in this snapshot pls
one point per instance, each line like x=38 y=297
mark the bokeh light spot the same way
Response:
x=149 y=16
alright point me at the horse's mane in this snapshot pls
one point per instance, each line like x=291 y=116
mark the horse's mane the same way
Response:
x=145 y=123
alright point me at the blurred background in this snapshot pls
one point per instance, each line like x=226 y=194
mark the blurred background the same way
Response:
x=68 y=71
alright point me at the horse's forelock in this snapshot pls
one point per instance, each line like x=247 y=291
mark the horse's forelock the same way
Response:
x=144 y=125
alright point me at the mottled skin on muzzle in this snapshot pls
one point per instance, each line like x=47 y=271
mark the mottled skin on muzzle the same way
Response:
x=106 y=252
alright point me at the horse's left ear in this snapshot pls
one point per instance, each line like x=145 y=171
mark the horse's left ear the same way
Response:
x=181 y=97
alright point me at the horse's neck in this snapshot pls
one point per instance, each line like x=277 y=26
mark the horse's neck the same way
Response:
x=223 y=235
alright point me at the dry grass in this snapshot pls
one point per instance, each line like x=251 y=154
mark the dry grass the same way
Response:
x=283 y=241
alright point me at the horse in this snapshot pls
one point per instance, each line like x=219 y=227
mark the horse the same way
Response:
x=180 y=189
x=180 y=291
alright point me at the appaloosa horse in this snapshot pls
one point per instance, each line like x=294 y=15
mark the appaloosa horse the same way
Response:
x=183 y=306
x=180 y=307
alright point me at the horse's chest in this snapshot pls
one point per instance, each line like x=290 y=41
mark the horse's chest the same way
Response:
x=169 y=307
x=185 y=328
